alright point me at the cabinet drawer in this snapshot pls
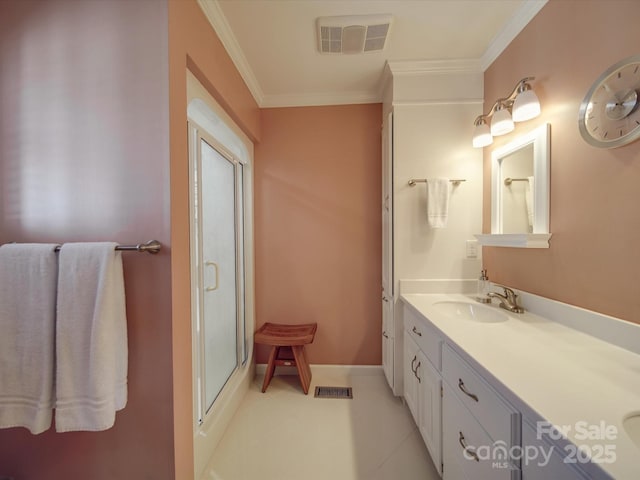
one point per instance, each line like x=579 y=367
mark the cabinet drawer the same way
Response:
x=425 y=336
x=482 y=459
x=498 y=419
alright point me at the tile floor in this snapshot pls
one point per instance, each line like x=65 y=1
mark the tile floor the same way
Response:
x=285 y=435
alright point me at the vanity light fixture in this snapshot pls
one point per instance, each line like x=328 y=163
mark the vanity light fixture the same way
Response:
x=501 y=122
x=482 y=135
x=520 y=106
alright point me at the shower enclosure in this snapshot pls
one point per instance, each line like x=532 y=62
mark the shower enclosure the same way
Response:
x=217 y=253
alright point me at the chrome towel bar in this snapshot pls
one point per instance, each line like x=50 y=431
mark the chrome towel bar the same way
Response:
x=508 y=181
x=152 y=246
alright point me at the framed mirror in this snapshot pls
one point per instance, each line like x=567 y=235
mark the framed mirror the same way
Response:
x=520 y=192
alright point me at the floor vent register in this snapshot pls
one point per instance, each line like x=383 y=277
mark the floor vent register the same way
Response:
x=333 y=392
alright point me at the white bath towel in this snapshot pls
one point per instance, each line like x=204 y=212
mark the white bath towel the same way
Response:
x=528 y=198
x=438 y=192
x=91 y=337
x=28 y=275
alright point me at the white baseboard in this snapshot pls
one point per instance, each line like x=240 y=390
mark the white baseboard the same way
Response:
x=351 y=370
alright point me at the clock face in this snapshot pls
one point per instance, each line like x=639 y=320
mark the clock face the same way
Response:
x=609 y=115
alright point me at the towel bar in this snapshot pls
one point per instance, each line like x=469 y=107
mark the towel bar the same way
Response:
x=152 y=246
x=413 y=181
x=508 y=181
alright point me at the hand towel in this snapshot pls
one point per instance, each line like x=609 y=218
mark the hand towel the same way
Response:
x=438 y=192
x=28 y=275
x=91 y=337
x=528 y=198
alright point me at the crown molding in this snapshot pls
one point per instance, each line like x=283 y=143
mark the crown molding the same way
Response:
x=511 y=29
x=421 y=67
x=218 y=21
x=320 y=99
x=430 y=103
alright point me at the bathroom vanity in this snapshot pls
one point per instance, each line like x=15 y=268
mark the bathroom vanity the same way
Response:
x=540 y=395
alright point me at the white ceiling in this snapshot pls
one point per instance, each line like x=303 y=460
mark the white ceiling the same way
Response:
x=274 y=46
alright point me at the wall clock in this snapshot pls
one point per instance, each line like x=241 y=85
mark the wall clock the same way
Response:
x=609 y=115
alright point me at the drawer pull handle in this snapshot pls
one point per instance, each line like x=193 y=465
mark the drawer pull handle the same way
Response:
x=384 y=334
x=415 y=357
x=467 y=450
x=415 y=372
x=464 y=390
x=416 y=332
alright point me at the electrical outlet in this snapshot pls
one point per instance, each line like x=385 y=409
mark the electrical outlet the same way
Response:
x=472 y=248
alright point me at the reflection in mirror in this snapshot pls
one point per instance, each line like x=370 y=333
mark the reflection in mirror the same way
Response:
x=517 y=183
x=520 y=192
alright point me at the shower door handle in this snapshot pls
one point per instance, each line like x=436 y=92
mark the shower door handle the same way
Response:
x=214 y=265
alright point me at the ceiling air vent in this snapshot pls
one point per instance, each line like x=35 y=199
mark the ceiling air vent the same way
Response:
x=353 y=33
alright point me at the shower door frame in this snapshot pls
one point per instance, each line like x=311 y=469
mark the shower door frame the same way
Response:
x=197 y=134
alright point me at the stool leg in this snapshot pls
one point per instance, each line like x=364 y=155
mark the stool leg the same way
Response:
x=271 y=366
x=304 y=371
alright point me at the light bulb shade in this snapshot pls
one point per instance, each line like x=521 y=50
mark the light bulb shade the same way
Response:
x=526 y=106
x=481 y=135
x=501 y=122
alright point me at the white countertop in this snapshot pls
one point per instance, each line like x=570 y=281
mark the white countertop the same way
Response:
x=551 y=372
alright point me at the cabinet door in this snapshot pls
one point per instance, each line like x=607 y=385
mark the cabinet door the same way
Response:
x=388 y=339
x=542 y=461
x=430 y=407
x=388 y=324
x=387 y=206
x=410 y=380
x=465 y=442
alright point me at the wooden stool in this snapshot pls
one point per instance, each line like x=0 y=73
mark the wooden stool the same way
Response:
x=288 y=340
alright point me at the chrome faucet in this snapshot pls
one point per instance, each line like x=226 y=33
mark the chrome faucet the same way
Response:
x=508 y=301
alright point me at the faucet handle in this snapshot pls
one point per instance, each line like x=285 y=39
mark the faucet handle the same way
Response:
x=509 y=293
x=512 y=299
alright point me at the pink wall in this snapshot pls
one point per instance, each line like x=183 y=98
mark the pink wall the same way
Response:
x=318 y=228
x=594 y=260
x=84 y=156
x=193 y=45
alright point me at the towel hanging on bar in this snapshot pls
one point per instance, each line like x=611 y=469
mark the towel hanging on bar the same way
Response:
x=438 y=192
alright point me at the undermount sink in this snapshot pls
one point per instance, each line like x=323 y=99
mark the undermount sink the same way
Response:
x=632 y=428
x=471 y=311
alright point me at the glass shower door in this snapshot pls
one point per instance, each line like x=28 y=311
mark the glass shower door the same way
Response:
x=218 y=257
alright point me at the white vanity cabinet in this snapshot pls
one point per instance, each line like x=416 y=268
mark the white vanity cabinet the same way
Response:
x=479 y=426
x=423 y=382
x=435 y=381
x=506 y=412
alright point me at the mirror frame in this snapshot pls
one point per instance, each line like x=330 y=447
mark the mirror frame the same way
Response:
x=539 y=137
